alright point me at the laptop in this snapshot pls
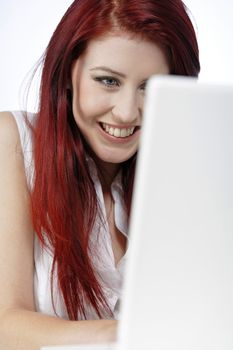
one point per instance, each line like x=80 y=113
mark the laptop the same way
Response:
x=178 y=290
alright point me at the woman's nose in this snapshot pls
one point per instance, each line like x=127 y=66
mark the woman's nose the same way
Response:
x=127 y=109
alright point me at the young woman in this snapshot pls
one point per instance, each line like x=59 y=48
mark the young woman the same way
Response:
x=67 y=172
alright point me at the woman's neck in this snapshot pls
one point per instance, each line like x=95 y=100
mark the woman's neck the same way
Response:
x=107 y=172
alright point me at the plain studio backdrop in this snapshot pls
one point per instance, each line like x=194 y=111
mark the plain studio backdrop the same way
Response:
x=26 y=27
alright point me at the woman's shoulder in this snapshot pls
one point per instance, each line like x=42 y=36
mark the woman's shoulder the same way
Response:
x=8 y=128
x=18 y=116
x=16 y=140
x=6 y=119
x=16 y=131
x=10 y=143
x=16 y=124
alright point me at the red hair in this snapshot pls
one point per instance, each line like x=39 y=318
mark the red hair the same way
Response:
x=64 y=203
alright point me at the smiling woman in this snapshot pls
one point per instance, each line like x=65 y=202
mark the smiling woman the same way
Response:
x=67 y=181
x=110 y=121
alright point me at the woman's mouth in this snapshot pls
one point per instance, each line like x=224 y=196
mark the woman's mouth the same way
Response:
x=118 y=132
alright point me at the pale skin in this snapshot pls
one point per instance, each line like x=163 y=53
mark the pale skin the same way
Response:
x=121 y=106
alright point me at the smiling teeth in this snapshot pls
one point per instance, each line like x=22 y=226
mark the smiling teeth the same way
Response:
x=118 y=132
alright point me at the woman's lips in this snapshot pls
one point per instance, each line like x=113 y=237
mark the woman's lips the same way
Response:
x=119 y=134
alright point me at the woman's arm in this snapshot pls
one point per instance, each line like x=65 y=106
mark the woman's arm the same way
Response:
x=29 y=330
x=21 y=327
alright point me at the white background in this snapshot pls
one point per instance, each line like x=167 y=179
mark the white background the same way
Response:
x=26 y=26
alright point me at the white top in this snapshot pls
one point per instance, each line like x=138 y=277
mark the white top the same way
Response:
x=110 y=276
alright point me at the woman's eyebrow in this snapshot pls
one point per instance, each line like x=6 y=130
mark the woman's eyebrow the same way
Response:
x=108 y=70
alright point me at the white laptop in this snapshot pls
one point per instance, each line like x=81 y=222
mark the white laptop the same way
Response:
x=178 y=291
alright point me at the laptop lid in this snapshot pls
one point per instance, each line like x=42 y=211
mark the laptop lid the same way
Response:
x=178 y=291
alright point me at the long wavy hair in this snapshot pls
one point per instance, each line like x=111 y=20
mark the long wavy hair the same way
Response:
x=64 y=202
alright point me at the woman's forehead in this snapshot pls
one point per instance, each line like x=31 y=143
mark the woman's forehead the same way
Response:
x=121 y=51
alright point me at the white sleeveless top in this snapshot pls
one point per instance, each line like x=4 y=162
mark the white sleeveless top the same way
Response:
x=110 y=276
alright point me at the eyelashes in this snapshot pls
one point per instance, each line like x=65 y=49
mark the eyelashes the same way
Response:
x=143 y=86
x=111 y=82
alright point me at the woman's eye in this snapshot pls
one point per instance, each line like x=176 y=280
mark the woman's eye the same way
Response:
x=143 y=86
x=108 y=81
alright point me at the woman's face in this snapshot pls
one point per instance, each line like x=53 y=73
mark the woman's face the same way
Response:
x=108 y=83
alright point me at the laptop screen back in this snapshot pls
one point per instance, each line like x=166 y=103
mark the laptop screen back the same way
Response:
x=178 y=291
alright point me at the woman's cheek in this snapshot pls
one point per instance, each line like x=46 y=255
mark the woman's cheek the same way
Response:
x=96 y=103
